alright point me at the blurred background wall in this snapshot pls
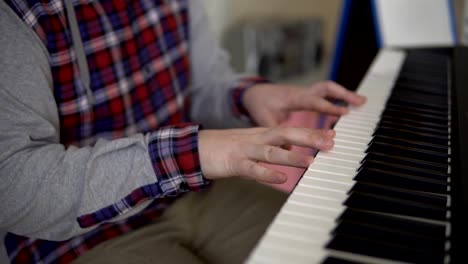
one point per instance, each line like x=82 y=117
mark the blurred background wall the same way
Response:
x=228 y=14
x=327 y=11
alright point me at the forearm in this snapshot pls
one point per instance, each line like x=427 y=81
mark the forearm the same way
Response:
x=52 y=192
x=45 y=187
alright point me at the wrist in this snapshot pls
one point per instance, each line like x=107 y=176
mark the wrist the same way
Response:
x=238 y=95
x=250 y=97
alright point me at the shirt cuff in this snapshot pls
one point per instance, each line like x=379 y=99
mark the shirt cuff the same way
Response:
x=237 y=95
x=176 y=163
x=174 y=156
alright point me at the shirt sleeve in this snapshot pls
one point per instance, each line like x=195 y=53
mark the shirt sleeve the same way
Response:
x=50 y=191
x=216 y=90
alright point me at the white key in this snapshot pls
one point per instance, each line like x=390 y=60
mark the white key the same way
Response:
x=365 y=114
x=325 y=185
x=361 y=115
x=359 y=122
x=273 y=253
x=330 y=168
x=325 y=213
x=331 y=177
x=292 y=219
x=347 y=151
x=346 y=145
x=301 y=230
x=341 y=142
x=313 y=191
x=348 y=138
x=328 y=161
x=352 y=132
x=364 y=131
x=323 y=160
x=340 y=157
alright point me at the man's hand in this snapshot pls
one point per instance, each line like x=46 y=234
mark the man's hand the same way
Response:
x=270 y=105
x=236 y=152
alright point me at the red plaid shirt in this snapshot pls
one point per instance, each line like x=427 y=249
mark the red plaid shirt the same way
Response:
x=139 y=69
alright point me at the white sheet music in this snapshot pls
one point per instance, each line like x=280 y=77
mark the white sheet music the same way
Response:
x=413 y=23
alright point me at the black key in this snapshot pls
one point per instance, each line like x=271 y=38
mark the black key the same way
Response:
x=416 y=117
x=396 y=106
x=423 y=80
x=400 y=180
x=401 y=225
x=424 y=60
x=415 y=97
x=426 y=98
x=419 y=77
x=334 y=260
x=410 y=170
x=409 y=133
x=421 y=129
x=382 y=233
x=410 y=143
x=439 y=201
x=406 y=161
x=413 y=122
x=381 y=249
x=419 y=103
x=391 y=149
x=436 y=81
x=416 y=87
x=392 y=205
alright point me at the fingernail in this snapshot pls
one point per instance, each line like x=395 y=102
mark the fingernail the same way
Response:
x=328 y=143
x=280 y=177
x=363 y=99
x=330 y=133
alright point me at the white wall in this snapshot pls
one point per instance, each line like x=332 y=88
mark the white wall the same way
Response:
x=219 y=14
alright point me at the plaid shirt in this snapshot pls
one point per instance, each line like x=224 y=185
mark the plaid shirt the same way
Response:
x=139 y=68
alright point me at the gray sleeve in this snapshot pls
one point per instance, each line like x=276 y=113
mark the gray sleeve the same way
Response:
x=212 y=76
x=45 y=186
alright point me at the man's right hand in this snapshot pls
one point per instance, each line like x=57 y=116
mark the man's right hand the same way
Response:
x=237 y=152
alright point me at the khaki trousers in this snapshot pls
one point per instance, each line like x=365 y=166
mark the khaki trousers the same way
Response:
x=221 y=225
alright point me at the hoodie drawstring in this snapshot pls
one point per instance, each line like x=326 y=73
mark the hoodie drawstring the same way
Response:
x=79 y=50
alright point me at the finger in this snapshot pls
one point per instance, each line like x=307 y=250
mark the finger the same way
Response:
x=326 y=107
x=318 y=103
x=278 y=156
x=337 y=91
x=313 y=138
x=252 y=170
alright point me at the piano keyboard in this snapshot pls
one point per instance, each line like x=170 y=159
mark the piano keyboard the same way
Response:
x=382 y=194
